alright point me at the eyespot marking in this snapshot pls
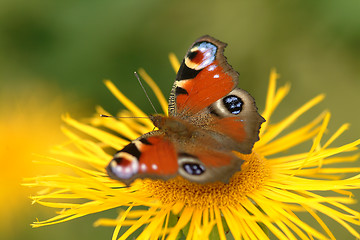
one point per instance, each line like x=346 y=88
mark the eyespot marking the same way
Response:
x=201 y=55
x=193 y=168
x=192 y=55
x=234 y=104
x=190 y=164
x=123 y=166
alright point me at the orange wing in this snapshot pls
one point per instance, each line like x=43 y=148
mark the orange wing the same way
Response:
x=152 y=157
x=204 y=77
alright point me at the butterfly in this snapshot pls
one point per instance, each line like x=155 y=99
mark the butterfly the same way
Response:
x=209 y=119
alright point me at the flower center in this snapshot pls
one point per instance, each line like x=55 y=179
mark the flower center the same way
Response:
x=251 y=178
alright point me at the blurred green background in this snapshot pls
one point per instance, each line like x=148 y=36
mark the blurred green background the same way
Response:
x=55 y=54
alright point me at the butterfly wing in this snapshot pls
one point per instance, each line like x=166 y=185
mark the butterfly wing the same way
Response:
x=155 y=156
x=205 y=88
x=152 y=155
x=236 y=118
x=209 y=118
x=204 y=77
x=208 y=165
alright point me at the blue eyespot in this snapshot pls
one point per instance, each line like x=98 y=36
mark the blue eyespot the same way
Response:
x=193 y=168
x=233 y=104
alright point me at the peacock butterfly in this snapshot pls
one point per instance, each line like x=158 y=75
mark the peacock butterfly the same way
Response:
x=209 y=118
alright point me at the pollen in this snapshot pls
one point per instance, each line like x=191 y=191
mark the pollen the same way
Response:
x=250 y=179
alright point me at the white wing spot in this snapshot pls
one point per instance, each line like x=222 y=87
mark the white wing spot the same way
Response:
x=216 y=76
x=212 y=67
x=143 y=167
x=154 y=166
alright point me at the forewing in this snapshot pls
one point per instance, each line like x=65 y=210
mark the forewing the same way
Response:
x=204 y=77
x=150 y=156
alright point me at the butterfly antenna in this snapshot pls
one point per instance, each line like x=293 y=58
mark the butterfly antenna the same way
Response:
x=147 y=96
x=109 y=116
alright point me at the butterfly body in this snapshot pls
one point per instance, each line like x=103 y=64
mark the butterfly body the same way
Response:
x=209 y=118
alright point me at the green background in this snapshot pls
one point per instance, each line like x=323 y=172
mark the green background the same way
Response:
x=71 y=46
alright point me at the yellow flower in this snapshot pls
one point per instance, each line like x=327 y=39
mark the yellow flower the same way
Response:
x=266 y=195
